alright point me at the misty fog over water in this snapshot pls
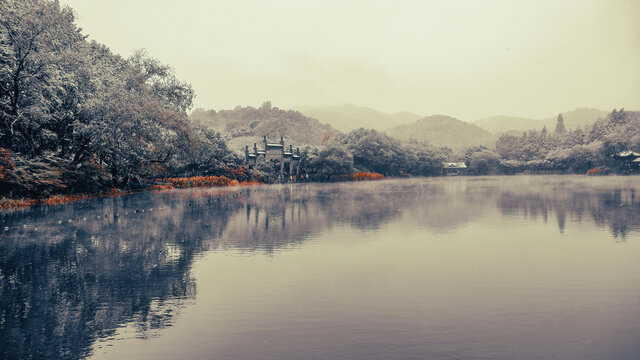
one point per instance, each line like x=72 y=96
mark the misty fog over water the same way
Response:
x=524 y=267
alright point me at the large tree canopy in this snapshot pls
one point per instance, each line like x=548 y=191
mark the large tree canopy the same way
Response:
x=64 y=97
x=38 y=88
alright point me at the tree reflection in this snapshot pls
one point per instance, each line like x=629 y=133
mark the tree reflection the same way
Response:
x=617 y=208
x=69 y=281
x=73 y=274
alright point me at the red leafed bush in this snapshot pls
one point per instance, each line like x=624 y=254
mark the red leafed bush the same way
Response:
x=251 y=183
x=204 y=181
x=200 y=181
x=361 y=176
x=6 y=203
x=6 y=164
x=237 y=173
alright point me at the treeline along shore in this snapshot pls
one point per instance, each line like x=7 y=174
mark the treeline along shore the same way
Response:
x=78 y=120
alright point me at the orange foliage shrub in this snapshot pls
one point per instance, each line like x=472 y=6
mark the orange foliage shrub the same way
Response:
x=203 y=181
x=63 y=199
x=236 y=173
x=113 y=192
x=6 y=164
x=360 y=176
x=6 y=203
x=198 y=181
x=251 y=183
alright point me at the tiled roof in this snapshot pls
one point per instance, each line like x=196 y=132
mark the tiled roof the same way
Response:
x=454 y=165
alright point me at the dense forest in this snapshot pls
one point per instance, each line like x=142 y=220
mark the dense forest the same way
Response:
x=77 y=118
x=561 y=150
x=368 y=150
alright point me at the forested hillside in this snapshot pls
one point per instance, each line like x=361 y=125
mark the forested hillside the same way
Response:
x=246 y=125
x=368 y=150
x=563 y=150
x=349 y=117
x=441 y=130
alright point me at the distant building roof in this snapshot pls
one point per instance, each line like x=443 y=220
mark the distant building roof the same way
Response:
x=454 y=165
x=275 y=145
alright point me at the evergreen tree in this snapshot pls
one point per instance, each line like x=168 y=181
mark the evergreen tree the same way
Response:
x=560 y=128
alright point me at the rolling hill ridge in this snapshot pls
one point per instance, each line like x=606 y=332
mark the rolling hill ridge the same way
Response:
x=442 y=130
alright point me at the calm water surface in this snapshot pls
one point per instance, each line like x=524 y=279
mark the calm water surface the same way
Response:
x=446 y=268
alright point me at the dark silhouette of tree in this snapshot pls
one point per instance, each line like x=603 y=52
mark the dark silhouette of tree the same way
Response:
x=560 y=128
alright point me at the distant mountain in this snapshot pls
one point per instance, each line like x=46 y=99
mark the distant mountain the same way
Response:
x=503 y=124
x=246 y=125
x=443 y=130
x=582 y=117
x=348 y=117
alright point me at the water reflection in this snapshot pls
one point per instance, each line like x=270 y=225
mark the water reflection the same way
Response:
x=615 y=205
x=72 y=274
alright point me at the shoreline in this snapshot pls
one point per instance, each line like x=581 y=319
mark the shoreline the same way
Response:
x=170 y=184
x=204 y=182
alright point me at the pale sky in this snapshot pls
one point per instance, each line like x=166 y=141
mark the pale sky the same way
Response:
x=467 y=59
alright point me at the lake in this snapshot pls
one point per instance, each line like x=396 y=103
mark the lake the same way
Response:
x=524 y=267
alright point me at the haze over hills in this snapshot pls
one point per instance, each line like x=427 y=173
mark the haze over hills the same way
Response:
x=442 y=130
x=581 y=117
x=309 y=124
x=347 y=117
x=245 y=125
